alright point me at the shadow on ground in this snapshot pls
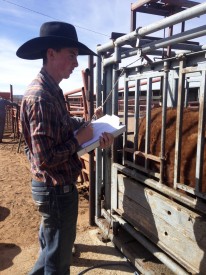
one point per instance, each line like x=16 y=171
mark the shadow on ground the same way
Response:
x=121 y=265
x=8 y=252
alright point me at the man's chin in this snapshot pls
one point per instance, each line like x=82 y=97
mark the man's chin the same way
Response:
x=66 y=77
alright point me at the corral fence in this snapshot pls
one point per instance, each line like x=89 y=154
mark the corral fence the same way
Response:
x=12 y=124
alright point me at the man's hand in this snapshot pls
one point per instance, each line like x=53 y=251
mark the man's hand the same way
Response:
x=106 y=140
x=98 y=112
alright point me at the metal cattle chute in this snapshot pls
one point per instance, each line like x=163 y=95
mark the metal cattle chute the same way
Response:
x=146 y=202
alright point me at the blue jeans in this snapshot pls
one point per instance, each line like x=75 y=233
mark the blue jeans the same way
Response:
x=59 y=211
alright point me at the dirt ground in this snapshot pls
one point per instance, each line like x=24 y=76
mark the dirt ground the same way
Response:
x=19 y=223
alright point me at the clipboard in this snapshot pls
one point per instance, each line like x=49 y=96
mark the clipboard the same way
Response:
x=107 y=123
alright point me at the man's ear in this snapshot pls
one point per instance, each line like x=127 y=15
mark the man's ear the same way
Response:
x=50 y=53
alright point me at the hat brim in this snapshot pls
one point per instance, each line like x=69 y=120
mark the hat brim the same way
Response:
x=34 y=48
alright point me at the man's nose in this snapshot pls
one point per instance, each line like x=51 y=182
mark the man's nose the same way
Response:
x=76 y=63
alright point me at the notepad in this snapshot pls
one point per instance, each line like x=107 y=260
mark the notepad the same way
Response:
x=107 y=123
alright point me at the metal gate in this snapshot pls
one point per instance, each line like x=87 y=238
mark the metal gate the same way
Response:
x=150 y=190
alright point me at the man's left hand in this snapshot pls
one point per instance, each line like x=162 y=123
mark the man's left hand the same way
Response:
x=106 y=140
x=98 y=112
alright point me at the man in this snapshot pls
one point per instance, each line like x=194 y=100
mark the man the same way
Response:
x=3 y=104
x=51 y=145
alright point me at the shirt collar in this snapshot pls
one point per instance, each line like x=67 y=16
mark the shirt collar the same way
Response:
x=50 y=82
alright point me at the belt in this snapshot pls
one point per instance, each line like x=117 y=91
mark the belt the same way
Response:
x=59 y=189
x=37 y=179
x=63 y=189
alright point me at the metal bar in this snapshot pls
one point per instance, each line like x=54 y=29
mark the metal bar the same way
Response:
x=185 y=45
x=192 y=69
x=177 y=38
x=125 y=115
x=147 y=156
x=164 y=23
x=159 y=254
x=137 y=52
x=182 y=3
x=201 y=134
x=148 y=119
x=155 y=11
x=164 y=119
x=106 y=152
x=106 y=47
x=91 y=155
x=140 y=3
x=98 y=180
x=170 y=33
x=145 y=75
x=173 y=19
x=186 y=93
x=178 y=139
x=133 y=20
x=191 y=190
x=142 y=169
x=115 y=90
x=136 y=114
x=115 y=108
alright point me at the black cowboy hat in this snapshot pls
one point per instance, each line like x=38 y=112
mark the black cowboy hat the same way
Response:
x=52 y=34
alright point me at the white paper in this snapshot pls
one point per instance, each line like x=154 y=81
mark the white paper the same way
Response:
x=106 y=123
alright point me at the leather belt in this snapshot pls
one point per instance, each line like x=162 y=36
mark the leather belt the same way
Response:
x=63 y=189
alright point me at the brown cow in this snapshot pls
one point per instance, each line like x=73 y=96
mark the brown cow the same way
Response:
x=188 y=149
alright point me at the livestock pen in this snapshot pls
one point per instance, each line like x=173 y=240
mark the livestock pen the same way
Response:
x=150 y=187
x=12 y=123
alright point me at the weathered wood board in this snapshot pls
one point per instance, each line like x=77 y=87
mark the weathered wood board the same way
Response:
x=179 y=231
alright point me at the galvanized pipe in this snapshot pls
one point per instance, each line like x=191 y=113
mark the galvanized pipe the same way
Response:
x=134 y=52
x=98 y=174
x=125 y=115
x=148 y=119
x=177 y=269
x=164 y=119
x=204 y=47
x=182 y=46
x=153 y=46
x=106 y=47
x=179 y=123
x=174 y=19
x=108 y=85
x=201 y=135
x=91 y=154
x=166 y=22
x=177 y=38
x=137 y=114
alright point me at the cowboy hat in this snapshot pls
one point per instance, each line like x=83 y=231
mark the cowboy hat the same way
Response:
x=52 y=34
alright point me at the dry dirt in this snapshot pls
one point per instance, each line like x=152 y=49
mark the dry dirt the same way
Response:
x=19 y=222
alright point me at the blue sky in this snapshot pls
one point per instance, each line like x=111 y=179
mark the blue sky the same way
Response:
x=94 y=21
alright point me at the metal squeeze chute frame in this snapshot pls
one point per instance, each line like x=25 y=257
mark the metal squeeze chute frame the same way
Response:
x=169 y=224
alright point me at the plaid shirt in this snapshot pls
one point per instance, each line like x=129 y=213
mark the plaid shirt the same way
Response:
x=48 y=132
